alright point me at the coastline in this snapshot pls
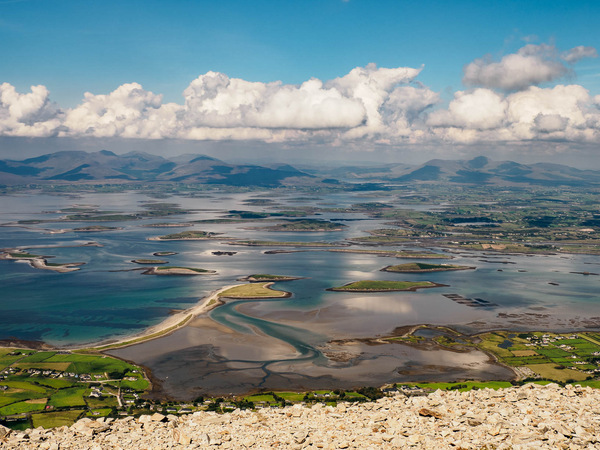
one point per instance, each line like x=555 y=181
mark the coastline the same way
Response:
x=170 y=324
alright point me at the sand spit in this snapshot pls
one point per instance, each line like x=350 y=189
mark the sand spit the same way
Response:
x=167 y=326
x=528 y=417
x=41 y=263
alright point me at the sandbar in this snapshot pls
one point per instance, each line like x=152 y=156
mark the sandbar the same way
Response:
x=167 y=326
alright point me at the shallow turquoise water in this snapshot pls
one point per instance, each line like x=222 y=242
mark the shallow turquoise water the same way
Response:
x=107 y=298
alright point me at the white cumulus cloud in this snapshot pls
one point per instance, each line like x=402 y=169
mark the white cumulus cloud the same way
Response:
x=481 y=109
x=31 y=114
x=129 y=111
x=215 y=100
x=369 y=105
x=562 y=112
x=575 y=54
x=530 y=66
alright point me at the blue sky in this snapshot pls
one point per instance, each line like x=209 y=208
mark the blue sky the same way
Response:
x=72 y=47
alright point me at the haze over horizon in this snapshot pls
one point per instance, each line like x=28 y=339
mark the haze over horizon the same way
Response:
x=322 y=81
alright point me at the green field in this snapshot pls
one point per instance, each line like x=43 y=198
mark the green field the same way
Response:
x=44 y=365
x=29 y=391
x=260 y=398
x=291 y=396
x=24 y=385
x=95 y=364
x=54 y=383
x=102 y=412
x=138 y=385
x=68 y=397
x=464 y=386
x=557 y=357
x=23 y=407
x=56 y=419
x=38 y=357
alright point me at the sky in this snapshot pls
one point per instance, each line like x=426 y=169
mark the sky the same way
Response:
x=393 y=81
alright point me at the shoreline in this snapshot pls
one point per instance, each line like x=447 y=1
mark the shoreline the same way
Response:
x=167 y=326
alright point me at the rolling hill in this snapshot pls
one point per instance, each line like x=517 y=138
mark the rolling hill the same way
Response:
x=105 y=166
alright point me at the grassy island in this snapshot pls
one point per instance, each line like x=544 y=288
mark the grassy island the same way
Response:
x=393 y=253
x=384 y=286
x=313 y=225
x=423 y=267
x=253 y=243
x=187 y=236
x=148 y=261
x=169 y=225
x=265 y=277
x=172 y=270
x=254 y=290
x=93 y=228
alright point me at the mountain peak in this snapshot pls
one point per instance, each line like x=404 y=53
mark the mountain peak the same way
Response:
x=478 y=162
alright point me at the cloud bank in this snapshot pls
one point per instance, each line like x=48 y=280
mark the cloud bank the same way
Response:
x=505 y=100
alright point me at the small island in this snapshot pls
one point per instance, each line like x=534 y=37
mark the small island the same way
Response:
x=39 y=262
x=96 y=228
x=164 y=253
x=384 y=286
x=403 y=254
x=311 y=225
x=253 y=243
x=253 y=291
x=168 y=225
x=417 y=267
x=187 y=236
x=149 y=261
x=265 y=277
x=172 y=270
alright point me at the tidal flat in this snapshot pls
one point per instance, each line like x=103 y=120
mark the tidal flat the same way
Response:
x=309 y=340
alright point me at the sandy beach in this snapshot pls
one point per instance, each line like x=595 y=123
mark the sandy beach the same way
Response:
x=170 y=324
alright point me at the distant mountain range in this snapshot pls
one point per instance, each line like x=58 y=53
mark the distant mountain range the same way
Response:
x=106 y=167
x=479 y=170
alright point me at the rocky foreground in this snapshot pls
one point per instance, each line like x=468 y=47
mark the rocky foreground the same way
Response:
x=529 y=417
